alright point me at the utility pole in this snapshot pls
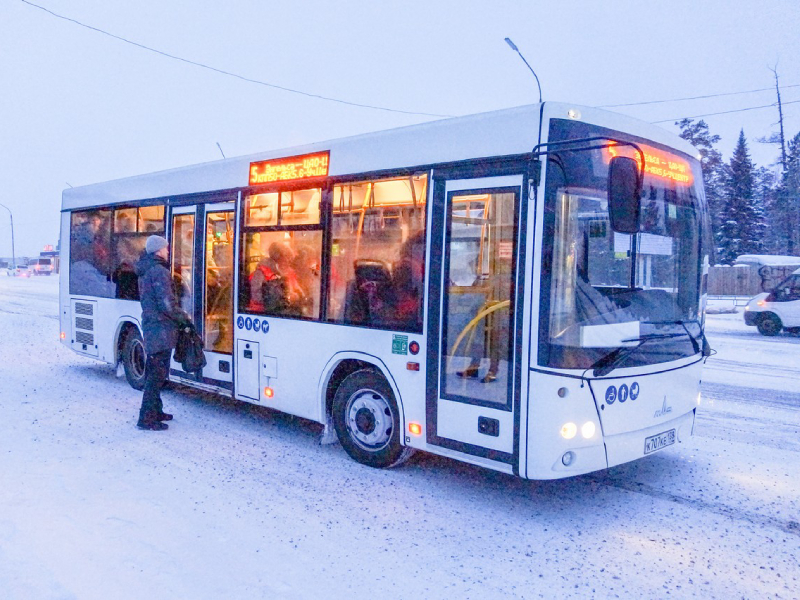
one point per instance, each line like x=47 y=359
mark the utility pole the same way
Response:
x=13 y=252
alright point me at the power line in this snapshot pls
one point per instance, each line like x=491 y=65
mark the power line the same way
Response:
x=725 y=112
x=229 y=73
x=696 y=97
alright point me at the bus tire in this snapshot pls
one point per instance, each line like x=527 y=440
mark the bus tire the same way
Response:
x=367 y=421
x=769 y=324
x=134 y=358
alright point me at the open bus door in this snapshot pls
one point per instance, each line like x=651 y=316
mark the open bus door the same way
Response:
x=202 y=259
x=474 y=379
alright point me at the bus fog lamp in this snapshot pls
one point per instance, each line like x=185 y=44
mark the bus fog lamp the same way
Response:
x=568 y=458
x=569 y=431
x=588 y=429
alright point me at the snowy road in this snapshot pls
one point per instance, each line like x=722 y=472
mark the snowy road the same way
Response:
x=236 y=501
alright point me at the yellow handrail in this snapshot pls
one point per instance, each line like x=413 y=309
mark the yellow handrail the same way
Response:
x=472 y=324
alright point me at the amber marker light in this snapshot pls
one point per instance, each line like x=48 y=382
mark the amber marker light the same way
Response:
x=415 y=429
x=63 y=335
x=269 y=392
x=760 y=303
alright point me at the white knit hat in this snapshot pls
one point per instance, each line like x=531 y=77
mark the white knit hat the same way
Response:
x=155 y=243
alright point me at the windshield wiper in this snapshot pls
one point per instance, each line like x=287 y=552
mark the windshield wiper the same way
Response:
x=609 y=362
x=695 y=344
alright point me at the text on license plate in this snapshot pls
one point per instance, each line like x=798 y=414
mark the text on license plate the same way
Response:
x=657 y=442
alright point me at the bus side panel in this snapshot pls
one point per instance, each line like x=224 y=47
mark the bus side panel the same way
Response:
x=557 y=401
x=294 y=355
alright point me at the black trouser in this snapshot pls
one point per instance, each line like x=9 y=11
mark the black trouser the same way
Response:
x=156 y=370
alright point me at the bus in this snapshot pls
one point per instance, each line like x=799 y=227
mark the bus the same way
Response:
x=522 y=290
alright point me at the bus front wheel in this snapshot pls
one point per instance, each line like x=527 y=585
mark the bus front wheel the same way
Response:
x=367 y=420
x=133 y=359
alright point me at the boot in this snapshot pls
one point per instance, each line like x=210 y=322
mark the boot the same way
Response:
x=152 y=425
x=470 y=371
x=490 y=377
x=163 y=417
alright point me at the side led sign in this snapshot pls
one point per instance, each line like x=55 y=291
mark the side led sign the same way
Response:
x=657 y=163
x=292 y=168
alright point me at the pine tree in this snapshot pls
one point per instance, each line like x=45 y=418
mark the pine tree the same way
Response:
x=787 y=200
x=698 y=134
x=742 y=225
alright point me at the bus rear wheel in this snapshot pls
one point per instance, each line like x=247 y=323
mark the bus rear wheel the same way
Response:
x=367 y=421
x=133 y=359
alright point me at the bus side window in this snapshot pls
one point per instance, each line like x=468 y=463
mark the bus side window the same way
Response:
x=90 y=253
x=378 y=253
x=280 y=270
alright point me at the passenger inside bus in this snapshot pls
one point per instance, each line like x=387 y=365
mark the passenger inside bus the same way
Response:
x=380 y=296
x=274 y=284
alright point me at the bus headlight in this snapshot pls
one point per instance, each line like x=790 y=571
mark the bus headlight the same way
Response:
x=569 y=430
x=588 y=429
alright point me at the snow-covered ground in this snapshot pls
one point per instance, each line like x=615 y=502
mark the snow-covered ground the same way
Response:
x=237 y=501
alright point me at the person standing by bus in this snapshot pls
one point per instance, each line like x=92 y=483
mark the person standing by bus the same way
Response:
x=161 y=318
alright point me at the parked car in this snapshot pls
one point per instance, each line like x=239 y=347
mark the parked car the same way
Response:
x=777 y=310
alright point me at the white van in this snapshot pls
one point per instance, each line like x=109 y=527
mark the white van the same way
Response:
x=777 y=310
x=41 y=266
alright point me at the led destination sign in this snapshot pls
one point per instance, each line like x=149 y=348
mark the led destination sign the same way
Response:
x=293 y=168
x=657 y=163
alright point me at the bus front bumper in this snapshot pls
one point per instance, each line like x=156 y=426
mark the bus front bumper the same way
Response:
x=625 y=447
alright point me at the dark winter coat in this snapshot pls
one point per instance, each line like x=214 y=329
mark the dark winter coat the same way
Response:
x=161 y=315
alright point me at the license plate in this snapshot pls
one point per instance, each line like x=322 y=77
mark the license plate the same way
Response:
x=657 y=442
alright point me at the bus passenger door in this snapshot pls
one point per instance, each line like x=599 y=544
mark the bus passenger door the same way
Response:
x=217 y=325
x=201 y=242
x=476 y=362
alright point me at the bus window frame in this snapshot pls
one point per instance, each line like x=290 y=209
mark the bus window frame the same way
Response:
x=372 y=177
x=326 y=189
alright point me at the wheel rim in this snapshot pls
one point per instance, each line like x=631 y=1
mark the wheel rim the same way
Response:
x=137 y=359
x=369 y=420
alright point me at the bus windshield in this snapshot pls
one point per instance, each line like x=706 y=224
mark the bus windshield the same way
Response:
x=602 y=290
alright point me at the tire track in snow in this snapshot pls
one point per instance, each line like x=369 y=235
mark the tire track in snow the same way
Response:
x=787 y=526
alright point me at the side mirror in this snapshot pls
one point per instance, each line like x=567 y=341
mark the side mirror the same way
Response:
x=624 y=192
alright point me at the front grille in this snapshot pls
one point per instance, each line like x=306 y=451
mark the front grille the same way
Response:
x=84 y=338
x=81 y=323
x=81 y=308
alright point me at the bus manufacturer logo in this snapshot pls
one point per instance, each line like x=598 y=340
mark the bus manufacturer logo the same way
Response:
x=611 y=394
x=664 y=410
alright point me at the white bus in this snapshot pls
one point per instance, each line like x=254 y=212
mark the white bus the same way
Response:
x=467 y=287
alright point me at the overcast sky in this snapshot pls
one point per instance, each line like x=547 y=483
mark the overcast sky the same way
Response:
x=78 y=107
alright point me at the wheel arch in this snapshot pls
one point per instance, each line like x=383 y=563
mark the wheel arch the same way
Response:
x=342 y=364
x=124 y=325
